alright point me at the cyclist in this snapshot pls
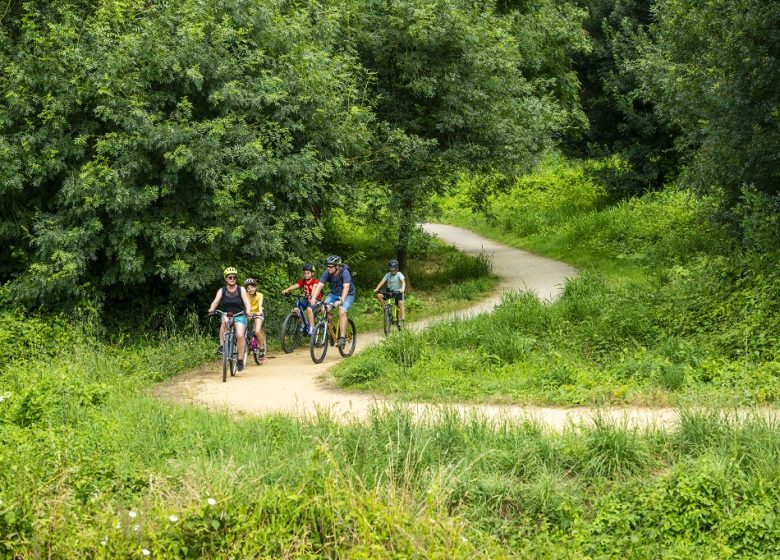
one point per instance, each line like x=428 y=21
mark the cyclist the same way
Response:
x=256 y=308
x=234 y=300
x=307 y=283
x=396 y=286
x=342 y=291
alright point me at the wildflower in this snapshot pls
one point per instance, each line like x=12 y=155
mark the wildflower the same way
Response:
x=136 y=528
x=118 y=524
x=211 y=501
x=104 y=541
x=145 y=551
x=131 y=514
x=173 y=518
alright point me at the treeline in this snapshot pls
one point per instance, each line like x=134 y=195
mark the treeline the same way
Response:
x=146 y=144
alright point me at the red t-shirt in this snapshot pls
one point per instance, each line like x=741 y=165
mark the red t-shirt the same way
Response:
x=308 y=286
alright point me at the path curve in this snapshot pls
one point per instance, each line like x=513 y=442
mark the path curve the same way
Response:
x=292 y=384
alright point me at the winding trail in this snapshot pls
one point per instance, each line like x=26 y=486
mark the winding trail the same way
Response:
x=292 y=384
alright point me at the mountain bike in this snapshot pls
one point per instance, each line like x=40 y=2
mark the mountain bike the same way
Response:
x=325 y=334
x=391 y=311
x=230 y=345
x=295 y=324
x=253 y=345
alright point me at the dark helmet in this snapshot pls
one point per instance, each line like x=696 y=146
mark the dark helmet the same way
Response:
x=393 y=264
x=308 y=267
x=333 y=259
x=250 y=282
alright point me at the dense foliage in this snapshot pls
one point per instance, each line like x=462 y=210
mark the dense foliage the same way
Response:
x=667 y=309
x=89 y=466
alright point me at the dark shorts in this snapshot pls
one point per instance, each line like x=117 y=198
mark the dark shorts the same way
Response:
x=397 y=296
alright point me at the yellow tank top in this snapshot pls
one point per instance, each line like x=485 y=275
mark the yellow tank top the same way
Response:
x=254 y=302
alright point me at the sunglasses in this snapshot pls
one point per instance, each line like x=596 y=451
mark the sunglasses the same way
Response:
x=331 y=266
x=230 y=277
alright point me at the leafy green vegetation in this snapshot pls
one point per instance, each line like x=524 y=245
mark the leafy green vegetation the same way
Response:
x=131 y=473
x=654 y=318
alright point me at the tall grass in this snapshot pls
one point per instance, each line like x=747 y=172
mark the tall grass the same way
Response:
x=666 y=309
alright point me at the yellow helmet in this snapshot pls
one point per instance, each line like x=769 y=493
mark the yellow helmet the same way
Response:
x=229 y=270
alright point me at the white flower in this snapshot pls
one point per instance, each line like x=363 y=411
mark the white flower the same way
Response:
x=131 y=514
x=211 y=501
x=118 y=524
x=136 y=528
x=104 y=541
x=173 y=518
x=145 y=551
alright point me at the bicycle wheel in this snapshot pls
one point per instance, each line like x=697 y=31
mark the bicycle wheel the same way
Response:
x=233 y=353
x=259 y=352
x=350 y=340
x=226 y=353
x=388 y=318
x=318 y=346
x=290 y=332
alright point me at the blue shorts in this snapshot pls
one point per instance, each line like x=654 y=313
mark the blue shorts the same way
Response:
x=346 y=304
x=240 y=319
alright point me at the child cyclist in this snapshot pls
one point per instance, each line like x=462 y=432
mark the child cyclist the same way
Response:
x=307 y=283
x=396 y=287
x=234 y=300
x=256 y=311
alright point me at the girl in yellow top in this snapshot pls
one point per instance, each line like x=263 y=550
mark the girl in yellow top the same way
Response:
x=256 y=310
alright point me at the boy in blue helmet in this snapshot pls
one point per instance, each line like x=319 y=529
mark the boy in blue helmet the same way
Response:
x=396 y=287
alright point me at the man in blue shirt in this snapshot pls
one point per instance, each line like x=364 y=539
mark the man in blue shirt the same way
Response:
x=342 y=291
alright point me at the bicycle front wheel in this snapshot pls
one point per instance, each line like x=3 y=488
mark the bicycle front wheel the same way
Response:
x=318 y=346
x=227 y=351
x=290 y=332
x=259 y=352
x=350 y=340
x=388 y=318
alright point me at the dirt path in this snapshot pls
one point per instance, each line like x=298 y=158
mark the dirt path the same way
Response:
x=292 y=384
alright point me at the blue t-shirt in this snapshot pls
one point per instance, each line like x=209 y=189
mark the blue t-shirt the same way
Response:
x=394 y=281
x=338 y=280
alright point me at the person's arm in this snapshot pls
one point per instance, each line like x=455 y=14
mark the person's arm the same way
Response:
x=216 y=301
x=403 y=285
x=381 y=282
x=245 y=299
x=261 y=305
x=315 y=292
x=345 y=291
x=290 y=288
x=347 y=282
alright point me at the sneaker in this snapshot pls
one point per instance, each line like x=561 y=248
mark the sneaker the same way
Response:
x=240 y=365
x=220 y=349
x=341 y=343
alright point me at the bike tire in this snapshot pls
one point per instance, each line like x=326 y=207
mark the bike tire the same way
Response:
x=225 y=357
x=260 y=350
x=350 y=340
x=290 y=332
x=388 y=319
x=318 y=346
x=233 y=354
x=227 y=354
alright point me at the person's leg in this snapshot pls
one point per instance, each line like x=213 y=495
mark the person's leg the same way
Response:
x=380 y=297
x=259 y=332
x=342 y=322
x=241 y=340
x=310 y=317
x=402 y=307
x=222 y=325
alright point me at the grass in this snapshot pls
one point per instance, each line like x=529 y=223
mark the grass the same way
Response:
x=133 y=474
x=665 y=311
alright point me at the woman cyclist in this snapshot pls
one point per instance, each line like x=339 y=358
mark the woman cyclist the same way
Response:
x=234 y=300
x=256 y=309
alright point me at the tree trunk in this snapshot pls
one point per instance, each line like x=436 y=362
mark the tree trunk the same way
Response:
x=404 y=236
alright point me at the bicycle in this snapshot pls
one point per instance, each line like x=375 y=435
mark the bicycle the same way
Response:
x=325 y=334
x=254 y=346
x=229 y=345
x=294 y=324
x=391 y=311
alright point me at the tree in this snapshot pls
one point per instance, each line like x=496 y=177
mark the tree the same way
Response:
x=147 y=145
x=621 y=119
x=457 y=86
x=713 y=70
